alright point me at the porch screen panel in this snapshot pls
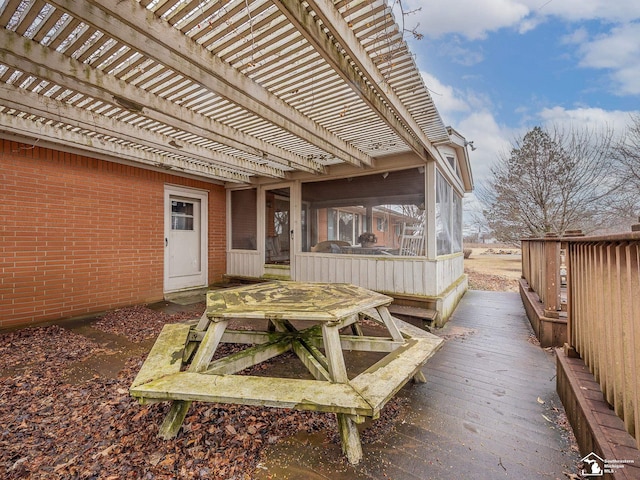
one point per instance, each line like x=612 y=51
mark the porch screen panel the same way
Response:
x=443 y=216
x=362 y=215
x=244 y=219
x=457 y=223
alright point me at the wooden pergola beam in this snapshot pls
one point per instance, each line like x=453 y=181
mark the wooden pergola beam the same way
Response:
x=135 y=26
x=48 y=132
x=34 y=59
x=356 y=67
x=48 y=108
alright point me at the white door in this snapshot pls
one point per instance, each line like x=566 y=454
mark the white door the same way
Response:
x=185 y=258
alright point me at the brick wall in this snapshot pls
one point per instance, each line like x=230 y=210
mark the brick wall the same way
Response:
x=80 y=235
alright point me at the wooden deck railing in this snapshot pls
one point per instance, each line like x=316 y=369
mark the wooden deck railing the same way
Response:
x=603 y=308
x=541 y=269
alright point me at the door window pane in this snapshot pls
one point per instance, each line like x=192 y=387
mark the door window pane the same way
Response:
x=181 y=215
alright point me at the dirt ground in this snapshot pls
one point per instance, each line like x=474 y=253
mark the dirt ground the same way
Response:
x=493 y=267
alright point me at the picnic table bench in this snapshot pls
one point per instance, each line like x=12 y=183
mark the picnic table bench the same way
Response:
x=181 y=367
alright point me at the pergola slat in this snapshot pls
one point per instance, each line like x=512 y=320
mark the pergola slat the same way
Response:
x=268 y=91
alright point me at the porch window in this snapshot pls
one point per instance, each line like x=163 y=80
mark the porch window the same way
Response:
x=457 y=223
x=448 y=218
x=337 y=212
x=244 y=219
x=343 y=225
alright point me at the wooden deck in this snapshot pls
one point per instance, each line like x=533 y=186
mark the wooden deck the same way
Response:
x=487 y=411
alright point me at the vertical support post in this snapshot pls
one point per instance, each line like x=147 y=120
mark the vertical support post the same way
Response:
x=333 y=351
x=430 y=209
x=349 y=434
x=369 y=219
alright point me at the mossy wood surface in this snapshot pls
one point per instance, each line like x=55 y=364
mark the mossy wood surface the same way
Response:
x=380 y=382
x=327 y=308
x=165 y=356
x=323 y=302
x=250 y=390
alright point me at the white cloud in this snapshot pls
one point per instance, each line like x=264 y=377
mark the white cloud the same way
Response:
x=463 y=55
x=470 y=18
x=577 y=37
x=578 y=10
x=448 y=101
x=490 y=140
x=587 y=118
x=474 y=19
x=470 y=114
x=618 y=51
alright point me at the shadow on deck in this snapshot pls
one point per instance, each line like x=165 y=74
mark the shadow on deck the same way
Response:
x=489 y=410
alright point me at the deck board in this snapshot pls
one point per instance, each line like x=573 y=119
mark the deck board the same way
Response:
x=478 y=415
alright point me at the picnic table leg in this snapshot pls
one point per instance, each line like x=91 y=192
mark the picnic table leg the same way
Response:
x=179 y=408
x=387 y=319
x=419 y=377
x=349 y=434
x=173 y=421
x=350 y=438
x=356 y=328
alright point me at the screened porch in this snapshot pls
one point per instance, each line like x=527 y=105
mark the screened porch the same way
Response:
x=394 y=231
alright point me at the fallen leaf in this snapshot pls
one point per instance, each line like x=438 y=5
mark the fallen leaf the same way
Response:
x=230 y=429
x=103 y=452
x=168 y=461
x=154 y=458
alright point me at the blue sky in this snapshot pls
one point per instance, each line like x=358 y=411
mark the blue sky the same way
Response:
x=497 y=68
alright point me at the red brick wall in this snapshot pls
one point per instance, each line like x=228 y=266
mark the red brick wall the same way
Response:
x=80 y=235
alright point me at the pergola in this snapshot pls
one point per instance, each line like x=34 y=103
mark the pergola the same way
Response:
x=230 y=90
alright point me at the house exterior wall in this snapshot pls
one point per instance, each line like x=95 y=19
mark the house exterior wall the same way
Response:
x=80 y=235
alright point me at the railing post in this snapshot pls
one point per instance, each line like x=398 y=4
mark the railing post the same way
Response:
x=552 y=280
x=569 y=346
x=566 y=246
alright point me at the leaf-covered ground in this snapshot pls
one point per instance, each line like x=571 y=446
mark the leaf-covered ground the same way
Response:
x=491 y=282
x=52 y=427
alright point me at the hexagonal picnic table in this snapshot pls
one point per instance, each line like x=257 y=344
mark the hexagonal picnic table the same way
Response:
x=180 y=366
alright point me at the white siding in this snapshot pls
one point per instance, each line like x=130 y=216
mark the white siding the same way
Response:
x=401 y=275
x=393 y=275
x=245 y=263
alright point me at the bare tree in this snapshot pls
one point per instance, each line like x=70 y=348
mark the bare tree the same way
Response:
x=551 y=182
x=627 y=155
